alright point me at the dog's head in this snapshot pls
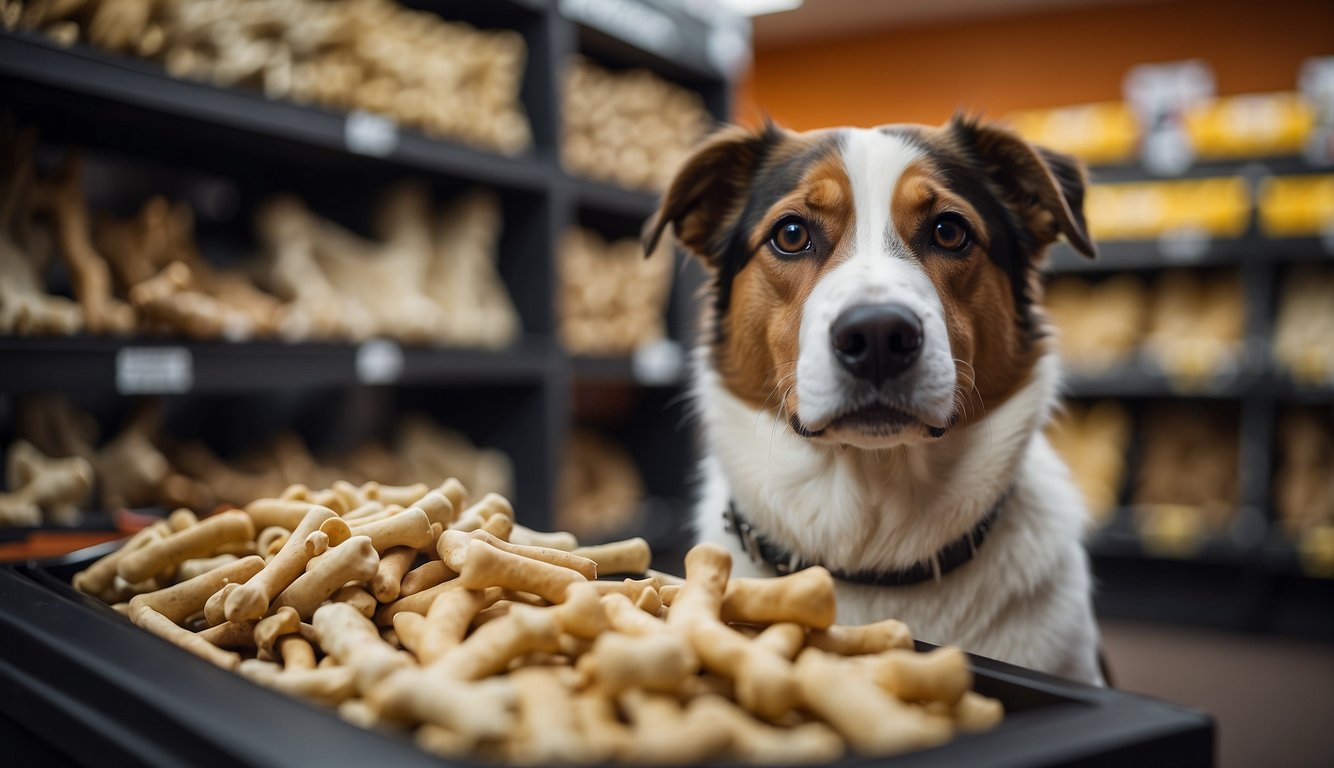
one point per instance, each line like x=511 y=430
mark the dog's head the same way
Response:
x=878 y=286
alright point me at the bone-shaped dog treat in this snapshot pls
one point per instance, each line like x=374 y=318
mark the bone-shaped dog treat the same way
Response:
x=409 y=528
x=296 y=652
x=438 y=508
x=284 y=513
x=556 y=540
x=352 y=639
x=658 y=662
x=268 y=630
x=408 y=629
x=581 y=615
x=388 y=578
x=625 y=617
x=805 y=597
x=199 y=540
x=486 y=566
x=353 y=560
x=629 y=556
x=753 y=741
x=364 y=512
x=252 y=600
x=350 y=494
x=475 y=711
x=332 y=685
x=215 y=608
x=856 y=640
x=180 y=519
x=491 y=648
x=650 y=602
x=231 y=634
x=357 y=597
x=975 y=712
x=179 y=602
x=547 y=730
x=498 y=526
x=448 y=618
x=166 y=629
x=489 y=506
x=606 y=737
x=457 y=494
x=442 y=741
x=98 y=577
x=402 y=495
x=453 y=546
x=418 y=602
x=425 y=576
x=668 y=593
x=316 y=544
x=337 y=530
x=194 y=567
x=785 y=639
x=940 y=675
x=870 y=719
x=270 y=540
x=765 y=682
x=383 y=513
x=663 y=734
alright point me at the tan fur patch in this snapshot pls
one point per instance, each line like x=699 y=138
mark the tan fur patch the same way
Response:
x=759 y=359
x=991 y=358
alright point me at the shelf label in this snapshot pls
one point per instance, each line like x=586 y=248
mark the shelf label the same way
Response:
x=154 y=371
x=658 y=362
x=633 y=21
x=379 y=361
x=370 y=134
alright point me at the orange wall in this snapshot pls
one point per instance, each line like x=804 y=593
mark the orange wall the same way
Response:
x=926 y=73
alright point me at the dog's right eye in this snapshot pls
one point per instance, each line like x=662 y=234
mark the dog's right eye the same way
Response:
x=790 y=237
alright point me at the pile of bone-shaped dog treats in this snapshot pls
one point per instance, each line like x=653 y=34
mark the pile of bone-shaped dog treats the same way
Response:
x=429 y=277
x=444 y=78
x=610 y=298
x=59 y=463
x=631 y=128
x=411 y=608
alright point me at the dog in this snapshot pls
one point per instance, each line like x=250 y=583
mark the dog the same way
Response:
x=875 y=371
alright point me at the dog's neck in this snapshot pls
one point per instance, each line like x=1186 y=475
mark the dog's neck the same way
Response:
x=859 y=510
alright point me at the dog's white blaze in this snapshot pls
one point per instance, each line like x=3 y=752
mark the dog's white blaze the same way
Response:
x=877 y=267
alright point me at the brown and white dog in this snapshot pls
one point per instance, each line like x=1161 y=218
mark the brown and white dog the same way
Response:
x=876 y=371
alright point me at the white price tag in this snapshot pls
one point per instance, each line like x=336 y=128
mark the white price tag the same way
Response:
x=370 y=134
x=658 y=362
x=379 y=361
x=154 y=370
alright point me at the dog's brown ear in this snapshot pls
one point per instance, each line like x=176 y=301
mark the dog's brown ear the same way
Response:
x=705 y=198
x=1046 y=188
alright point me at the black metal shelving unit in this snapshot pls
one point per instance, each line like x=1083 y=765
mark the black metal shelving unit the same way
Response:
x=133 y=115
x=1248 y=578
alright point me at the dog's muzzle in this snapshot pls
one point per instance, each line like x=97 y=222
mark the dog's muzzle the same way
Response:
x=876 y=342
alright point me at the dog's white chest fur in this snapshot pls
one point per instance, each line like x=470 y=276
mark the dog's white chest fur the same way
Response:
x=1025 y=596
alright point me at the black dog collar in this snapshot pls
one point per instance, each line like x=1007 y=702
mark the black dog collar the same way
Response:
x=955 y=554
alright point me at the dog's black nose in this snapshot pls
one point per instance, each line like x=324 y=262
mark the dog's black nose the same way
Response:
x=876 y=342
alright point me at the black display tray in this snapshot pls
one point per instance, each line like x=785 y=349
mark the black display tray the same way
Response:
x=80 y=685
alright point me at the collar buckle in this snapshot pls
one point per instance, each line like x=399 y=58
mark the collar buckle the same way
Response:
x=745 y=533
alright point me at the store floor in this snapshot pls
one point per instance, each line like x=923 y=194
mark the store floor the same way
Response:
x=1273 y=698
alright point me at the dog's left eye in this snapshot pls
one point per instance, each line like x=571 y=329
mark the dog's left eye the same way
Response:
x=790 y=237
x=950 y=232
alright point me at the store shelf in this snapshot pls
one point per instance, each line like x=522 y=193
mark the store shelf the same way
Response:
x=606 y=198
x=1285 y=165
x=93 y=91
x=1136 y=255
x=1143 y=380
x=158 y=366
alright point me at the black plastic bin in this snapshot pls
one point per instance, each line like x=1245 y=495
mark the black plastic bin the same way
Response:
x=80 y=685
